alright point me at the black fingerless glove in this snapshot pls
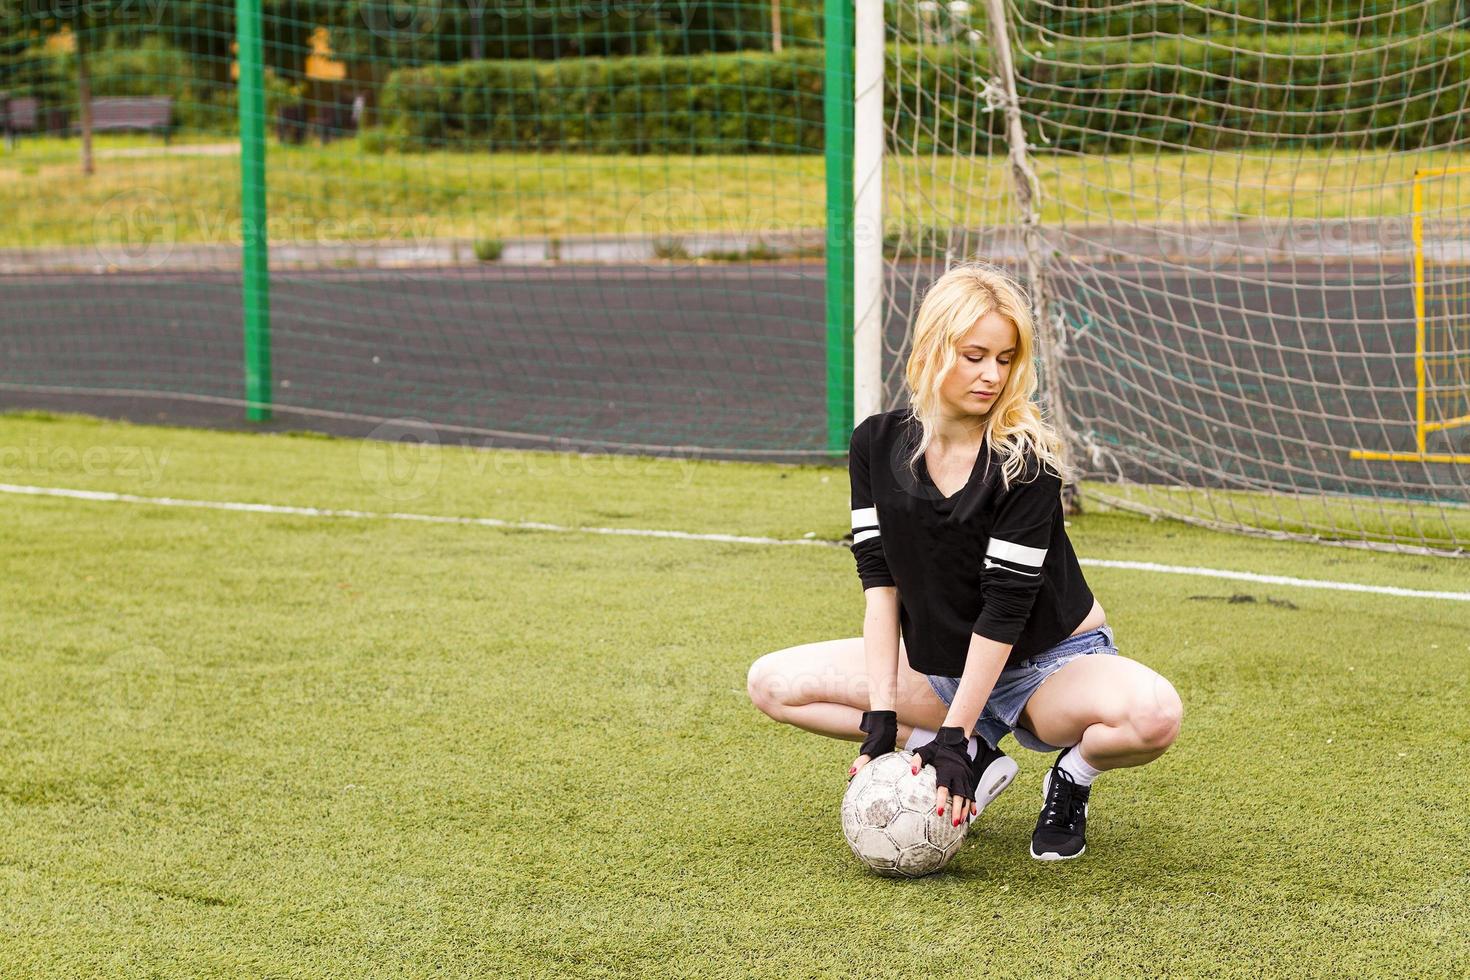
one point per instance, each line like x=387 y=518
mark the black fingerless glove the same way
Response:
x=882 y=729
x=948 y=754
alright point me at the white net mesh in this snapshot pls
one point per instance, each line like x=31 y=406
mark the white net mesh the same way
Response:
x=1254 y=246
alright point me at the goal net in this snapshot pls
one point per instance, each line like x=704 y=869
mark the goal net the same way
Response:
x=1244 y=227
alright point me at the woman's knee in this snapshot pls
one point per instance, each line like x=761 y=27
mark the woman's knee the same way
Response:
x=763 y=684
x=827 y=670
x=1156 y=715
x=780 y=679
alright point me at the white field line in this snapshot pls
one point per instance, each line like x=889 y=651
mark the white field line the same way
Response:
x=1138 y=566
x=1305 y=583
x=128 y=498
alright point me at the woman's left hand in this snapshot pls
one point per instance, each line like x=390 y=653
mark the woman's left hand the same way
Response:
x=954 y=773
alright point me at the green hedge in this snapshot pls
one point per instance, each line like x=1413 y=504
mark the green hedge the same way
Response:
x=1403 y=92
x=732 y=103
x=1308 y=89
x=1174 y=18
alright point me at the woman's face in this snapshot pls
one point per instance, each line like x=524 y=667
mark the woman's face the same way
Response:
x=974 y=384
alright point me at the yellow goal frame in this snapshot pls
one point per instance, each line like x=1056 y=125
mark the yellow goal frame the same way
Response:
x=1422 y=427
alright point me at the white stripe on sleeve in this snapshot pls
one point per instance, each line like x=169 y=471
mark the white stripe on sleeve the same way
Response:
x=865 y=517
x=1018 y=553
x=1007 y=568
x=862 y=536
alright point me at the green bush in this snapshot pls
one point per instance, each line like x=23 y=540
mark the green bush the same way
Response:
x=156 y=69
x=1368 y=18
x=1081 y=96
x=37 y=73
x=1271 y=90
x=720 y=103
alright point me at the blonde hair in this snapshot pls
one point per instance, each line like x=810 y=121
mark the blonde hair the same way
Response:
x=1014 y=426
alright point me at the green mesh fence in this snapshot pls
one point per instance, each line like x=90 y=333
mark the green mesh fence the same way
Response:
x=623 y=227
x=597 y=225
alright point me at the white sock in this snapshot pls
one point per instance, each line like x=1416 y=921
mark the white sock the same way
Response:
x=921 y=736
x=918 y=737
x=1077 y=767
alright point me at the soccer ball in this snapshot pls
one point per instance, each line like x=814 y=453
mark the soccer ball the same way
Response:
x=889 y=821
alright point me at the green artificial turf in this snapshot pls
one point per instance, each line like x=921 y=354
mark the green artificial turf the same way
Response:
x=240 y=744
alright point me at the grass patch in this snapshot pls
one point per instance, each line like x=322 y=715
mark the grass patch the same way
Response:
x=338 y=193
x=670 y=249
x=755 y=252
x=489 y=249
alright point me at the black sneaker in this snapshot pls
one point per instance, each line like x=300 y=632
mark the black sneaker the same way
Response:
x=1060 y=829
x=994 y=771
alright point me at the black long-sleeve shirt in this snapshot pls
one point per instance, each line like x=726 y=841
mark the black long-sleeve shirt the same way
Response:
x=989 y=561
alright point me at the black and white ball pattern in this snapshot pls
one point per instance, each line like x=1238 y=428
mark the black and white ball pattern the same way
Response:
x=889 y=821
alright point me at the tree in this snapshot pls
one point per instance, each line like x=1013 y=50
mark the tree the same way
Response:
x=206 y=29
x=404 y=32
x=88 y=24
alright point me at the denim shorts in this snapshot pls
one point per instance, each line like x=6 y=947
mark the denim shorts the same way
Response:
x=1015 y=685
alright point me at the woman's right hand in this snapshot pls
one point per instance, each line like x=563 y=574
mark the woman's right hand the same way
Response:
x=882 y=731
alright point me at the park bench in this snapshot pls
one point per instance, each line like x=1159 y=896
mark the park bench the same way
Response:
x=294 y=123
x=149 y=112
x=19 y=115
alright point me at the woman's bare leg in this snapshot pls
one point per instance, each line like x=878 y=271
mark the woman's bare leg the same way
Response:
x=822 y=687
x=1121 y=712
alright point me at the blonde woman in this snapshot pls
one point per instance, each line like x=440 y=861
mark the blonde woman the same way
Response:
x=979 y=622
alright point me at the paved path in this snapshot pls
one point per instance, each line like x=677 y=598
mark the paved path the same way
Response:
x=1246 y=378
